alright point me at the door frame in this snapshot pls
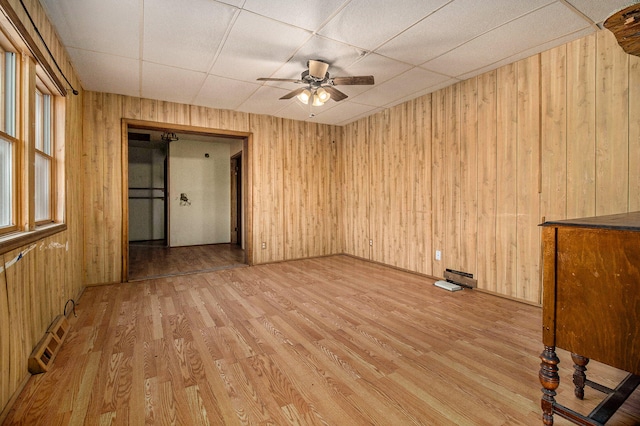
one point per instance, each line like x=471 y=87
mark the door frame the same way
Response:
x=247 y=145
x=236 y=201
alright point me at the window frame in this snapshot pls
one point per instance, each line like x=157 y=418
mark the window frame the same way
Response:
x=46 y=134
x=13 y=226
x=30 y=75
x=9 y=135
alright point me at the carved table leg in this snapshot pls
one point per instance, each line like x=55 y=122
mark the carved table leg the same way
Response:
x=579 y=377
x=550 y=380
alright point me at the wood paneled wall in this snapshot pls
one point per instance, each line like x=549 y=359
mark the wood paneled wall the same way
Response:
x=293 y=174
x=472 y=169
x=469 y=170
x=38 y=278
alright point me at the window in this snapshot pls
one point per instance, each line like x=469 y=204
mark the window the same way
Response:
x=44 y=159
x=31 y=145
x=6 y=183
x=8 y=142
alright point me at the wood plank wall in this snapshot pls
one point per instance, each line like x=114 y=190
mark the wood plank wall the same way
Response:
x=469 y=170
x=293 y=172
x=472 y=169
x=38 y=278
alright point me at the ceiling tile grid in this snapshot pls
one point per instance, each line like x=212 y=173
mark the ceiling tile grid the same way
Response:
x=370 y=23
x=101 y=72
x=224 y=93
x=211 y=52
x=308 y=14
x=98 y=26
x=441 y=31
x=528 y=31
x=169 y=83
x=173 y=35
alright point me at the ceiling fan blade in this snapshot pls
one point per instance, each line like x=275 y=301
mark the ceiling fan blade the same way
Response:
x=336 y=95
x=355 y=80
x=293 y=93
x=317 y=69
x=289 y=80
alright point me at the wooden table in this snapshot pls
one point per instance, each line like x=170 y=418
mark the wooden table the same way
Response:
x=591 y=307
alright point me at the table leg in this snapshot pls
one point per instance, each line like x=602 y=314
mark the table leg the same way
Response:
x=579 y=376
x=550 y=380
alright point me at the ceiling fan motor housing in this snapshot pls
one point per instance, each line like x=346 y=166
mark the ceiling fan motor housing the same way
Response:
x=317 y=69
x=312 y=80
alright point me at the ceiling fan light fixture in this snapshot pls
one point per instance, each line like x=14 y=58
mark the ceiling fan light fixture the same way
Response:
x=323 y=95
x=304 y=96
x=317 y=101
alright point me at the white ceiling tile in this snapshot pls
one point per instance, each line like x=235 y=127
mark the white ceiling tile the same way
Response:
x=265 y=100
x=536 y=28
x=295 y=110
x=382 y=68
x=184 y=34
x=600 y=10
x=224 y=93
x=343 y=112
x=355 y=90
x=337 y=55
x=358 y=117
x=308 y=14
x=101 y=26
x=414 y=80
x=170 y=84
x=529 y=52
x=257 y=47
x=423 y=92
x=57 y=12
x=235 y=3
x=452 y=26
x=369 y=23
x=107 y=73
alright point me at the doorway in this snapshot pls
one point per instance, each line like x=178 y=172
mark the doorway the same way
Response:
x=147 y=185
x=161 y=210
x=236 y=199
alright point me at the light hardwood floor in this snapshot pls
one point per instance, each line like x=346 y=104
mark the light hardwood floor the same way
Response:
x=151 y=259
x=333 y=340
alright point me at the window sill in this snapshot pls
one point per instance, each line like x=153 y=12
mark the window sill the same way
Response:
x=15 y=240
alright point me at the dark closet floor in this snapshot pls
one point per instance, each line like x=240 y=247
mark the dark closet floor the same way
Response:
x=151 y=259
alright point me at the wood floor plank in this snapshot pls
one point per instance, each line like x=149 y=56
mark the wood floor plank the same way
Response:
x=215 y=384
x=81 y=403
x=327 y=341
x=149 y=259
x=312 y=390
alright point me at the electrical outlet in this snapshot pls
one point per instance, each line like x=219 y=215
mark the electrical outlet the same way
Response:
x=370 y=243
x=264 y=245
x=438 y=255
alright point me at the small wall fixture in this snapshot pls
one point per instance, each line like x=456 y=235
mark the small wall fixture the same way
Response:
x=169 y=137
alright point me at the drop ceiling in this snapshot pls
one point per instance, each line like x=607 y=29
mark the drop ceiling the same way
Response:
x=210 y=53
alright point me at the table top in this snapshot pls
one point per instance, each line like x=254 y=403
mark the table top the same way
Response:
x=623 y=222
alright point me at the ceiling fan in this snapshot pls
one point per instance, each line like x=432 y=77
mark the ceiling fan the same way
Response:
x=319 y=85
